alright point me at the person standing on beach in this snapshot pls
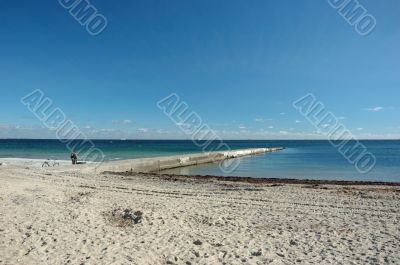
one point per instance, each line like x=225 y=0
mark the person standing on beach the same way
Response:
x=74 y=158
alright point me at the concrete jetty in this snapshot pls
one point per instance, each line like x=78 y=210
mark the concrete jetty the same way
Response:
x=155 y=164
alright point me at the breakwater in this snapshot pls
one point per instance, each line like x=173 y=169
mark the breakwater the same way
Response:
x=155 y=164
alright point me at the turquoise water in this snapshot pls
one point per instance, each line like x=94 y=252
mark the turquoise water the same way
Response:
x=300 y=159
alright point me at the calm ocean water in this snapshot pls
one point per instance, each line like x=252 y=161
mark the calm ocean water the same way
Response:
x=300 y=159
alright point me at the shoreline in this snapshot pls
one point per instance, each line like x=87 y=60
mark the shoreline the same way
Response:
x=66 y=165
x=252 y=180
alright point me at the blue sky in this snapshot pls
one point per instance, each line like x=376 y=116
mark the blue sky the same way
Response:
x=238 y=64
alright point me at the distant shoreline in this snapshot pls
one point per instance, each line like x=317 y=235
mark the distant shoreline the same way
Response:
x=280 y=139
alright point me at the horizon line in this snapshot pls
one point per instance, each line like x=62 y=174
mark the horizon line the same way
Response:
x=123 y=139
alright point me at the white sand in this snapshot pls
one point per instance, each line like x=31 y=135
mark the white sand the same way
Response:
x=48 y=216
x=31 y=162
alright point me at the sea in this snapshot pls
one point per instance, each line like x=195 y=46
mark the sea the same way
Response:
x=301 y=159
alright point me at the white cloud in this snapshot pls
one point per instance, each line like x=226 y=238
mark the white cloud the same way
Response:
x=242 y=127
x=270 y=127
x=261 y=120
x=107 y=130
x=375 y=109
x=282 y=113
x=126 y=121
x=161 y=131
x=297 y=121
x=25 y=131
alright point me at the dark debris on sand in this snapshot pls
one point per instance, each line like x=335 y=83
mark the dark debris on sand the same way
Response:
x=124 y=217
x=253 y=180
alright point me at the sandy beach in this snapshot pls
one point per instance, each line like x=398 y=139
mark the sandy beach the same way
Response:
x=62 y=216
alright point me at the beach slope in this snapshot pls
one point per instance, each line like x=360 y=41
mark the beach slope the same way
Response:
x=53 y=217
